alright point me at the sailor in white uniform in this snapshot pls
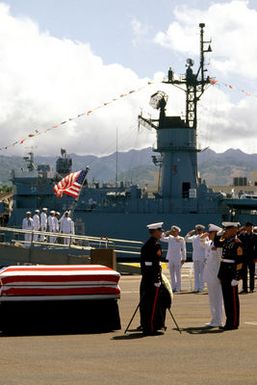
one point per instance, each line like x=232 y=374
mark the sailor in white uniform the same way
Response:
x=27 y=224
x=176 y=255
x=43 y=222
x=52 y=226
x=211 y=269
x=36 y=221
x=194 y=237
x=56 y=221
x=66 y=227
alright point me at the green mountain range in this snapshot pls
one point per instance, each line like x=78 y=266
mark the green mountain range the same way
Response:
x=136 y=166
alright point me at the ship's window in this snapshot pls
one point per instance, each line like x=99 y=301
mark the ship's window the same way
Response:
x=174 y=169
x=185 y=189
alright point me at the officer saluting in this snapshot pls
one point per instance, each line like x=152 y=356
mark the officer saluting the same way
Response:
x=231 y=264
x=154 y=301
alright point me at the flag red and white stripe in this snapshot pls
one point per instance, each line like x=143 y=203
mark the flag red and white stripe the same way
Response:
x=71 y=184
x=58 y=282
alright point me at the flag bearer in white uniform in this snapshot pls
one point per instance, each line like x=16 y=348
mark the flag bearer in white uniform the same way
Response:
x=27 y=224
x=36 y=221
x=51 y=226
x=211 y=269
x=194 y=237
x=43 y=222
x=176 y=255
x=66 y=227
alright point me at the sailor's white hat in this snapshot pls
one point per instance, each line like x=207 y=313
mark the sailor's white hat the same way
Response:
x=228 y=225
x=28 y=213
x=44 y=209
x=57 y=213
x=52 y=212
x=199 y=227
x=154 y=226
x=174 y=227
x=37 y=211
x=212 y=227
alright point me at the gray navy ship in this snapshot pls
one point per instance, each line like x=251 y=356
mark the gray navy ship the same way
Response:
x=123 y=211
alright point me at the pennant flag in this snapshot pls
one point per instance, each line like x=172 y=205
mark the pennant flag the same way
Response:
x=71 y=184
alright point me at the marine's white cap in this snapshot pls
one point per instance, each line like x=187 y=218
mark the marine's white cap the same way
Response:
x=174 y=227
x=212 y=227
x=228 y=225
x=37 y=211
x=52 y=212
x=155 y=226
x=28 y=213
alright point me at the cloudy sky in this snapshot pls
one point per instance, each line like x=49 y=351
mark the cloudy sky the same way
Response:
x=60 y=58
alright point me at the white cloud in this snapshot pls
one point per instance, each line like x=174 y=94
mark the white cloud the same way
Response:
x=233 y=28
x=45 y=80
x=224 y=120
x=140 y=31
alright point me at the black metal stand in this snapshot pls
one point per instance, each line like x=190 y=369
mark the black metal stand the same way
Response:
x=133 y=316
x=175 y=322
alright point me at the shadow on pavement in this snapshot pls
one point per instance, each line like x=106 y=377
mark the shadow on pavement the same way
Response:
x=202 y=330
x=129 y=336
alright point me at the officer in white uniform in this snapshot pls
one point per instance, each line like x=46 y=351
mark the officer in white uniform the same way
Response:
x=52 y=226
x=27 y=224
x=66 y=227
x=43 y=222
x=211 y=269
x=36 y=221
x=194 y=237
x=176 y=255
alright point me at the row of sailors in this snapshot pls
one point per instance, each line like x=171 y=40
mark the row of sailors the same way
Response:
x=200 y=240
x=221 y=257
x=52 y=223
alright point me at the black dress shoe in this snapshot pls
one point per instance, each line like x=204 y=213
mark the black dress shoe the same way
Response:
x=243 y=292
x=228 y=327
x=148 y=333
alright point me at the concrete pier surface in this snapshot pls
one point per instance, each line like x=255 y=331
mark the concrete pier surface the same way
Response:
x=197 y=356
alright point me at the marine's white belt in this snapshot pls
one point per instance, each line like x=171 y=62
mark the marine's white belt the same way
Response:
x=228 y=260
x=150 y=263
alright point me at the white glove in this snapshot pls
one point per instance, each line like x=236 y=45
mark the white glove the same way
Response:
x=157 y=284
x=234 y=282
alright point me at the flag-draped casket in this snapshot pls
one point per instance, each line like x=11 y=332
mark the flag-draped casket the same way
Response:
x=59 y=296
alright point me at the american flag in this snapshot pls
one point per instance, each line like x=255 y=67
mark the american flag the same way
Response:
x=71 y=184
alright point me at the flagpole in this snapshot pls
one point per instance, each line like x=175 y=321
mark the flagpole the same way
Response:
x=75 y=202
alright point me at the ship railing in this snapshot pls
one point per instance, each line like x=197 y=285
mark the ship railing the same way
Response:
x=67 y=240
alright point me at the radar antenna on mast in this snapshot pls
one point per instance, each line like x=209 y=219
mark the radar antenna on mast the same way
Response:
x=194 y=83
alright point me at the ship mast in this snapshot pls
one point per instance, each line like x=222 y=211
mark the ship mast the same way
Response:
x=193 y=84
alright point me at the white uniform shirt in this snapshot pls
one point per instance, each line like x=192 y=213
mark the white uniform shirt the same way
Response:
x=198 y=247
x=176 y=248
x=36 y=220
x=56 y=225
x=27 y=224
x=51 y=224
x=213 y=259
x=43 y=220
x=66 y=226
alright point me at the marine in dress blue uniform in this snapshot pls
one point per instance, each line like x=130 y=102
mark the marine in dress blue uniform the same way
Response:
x=249 y=240
x=229 y=272
x=154 y=299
